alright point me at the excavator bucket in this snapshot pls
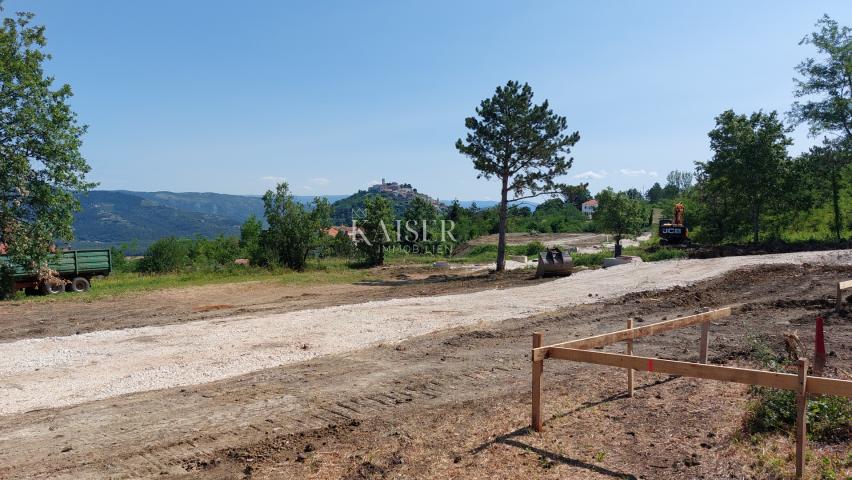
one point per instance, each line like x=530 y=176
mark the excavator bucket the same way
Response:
x=553 y=263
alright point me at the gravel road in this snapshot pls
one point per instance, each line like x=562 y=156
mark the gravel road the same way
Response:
x=61 y=371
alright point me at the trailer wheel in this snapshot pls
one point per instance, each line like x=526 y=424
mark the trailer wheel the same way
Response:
x=79 y=284
x=51 y=288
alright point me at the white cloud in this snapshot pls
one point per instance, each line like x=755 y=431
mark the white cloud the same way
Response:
x=322 y=181
x=637 y=173
x=592 y=174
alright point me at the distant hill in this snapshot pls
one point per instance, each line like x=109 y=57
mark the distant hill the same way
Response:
x=114 y=217
x=399 y=195
x=489 y=203
x=111 y=218
x=237 y=207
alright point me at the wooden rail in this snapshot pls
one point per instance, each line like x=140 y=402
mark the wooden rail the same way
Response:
x=576 y=350
x=840 y=287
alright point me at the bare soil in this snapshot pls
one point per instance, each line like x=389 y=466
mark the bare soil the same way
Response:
x=452 y=404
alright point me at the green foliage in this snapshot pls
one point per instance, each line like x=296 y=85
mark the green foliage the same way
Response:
x=41 y=168
x=521 y=144
x=773 y=410
x=619 y=215
x=293 y=231
x=250 y=234
x=377 y=228
x=591 y=260
x=341 y=246
x=534 y=248
x=748 y=180
x=657 y=254
x=119 y=260
x=420 y=225
x=828 y=80
x=345 y=209
x=168 y=254
x=7 y=281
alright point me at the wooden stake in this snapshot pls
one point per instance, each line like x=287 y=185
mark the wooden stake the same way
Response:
x=630 y=352
x=537 y=370
x=801 y=418
x=705 y=334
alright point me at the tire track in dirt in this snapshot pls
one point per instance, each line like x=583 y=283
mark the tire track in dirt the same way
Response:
x=249 y=419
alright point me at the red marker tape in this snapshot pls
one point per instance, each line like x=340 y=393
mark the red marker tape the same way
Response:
x=650 y=364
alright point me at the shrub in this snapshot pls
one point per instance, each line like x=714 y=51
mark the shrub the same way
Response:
x=590 y=259
x=533 y=249
x=165 y=255
x=773 y=410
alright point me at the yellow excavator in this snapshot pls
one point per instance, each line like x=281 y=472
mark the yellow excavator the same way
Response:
x=674 y=232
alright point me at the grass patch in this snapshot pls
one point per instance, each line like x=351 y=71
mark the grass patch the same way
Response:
x=323 y=272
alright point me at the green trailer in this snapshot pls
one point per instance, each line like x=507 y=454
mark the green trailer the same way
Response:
x=75 y=267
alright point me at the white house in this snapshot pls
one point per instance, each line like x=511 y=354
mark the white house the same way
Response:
x=589 y=207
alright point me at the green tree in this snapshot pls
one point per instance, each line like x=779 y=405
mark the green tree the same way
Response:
x=167 y=254
x=750 y=165
x=825 y=165
x=655 y=193
x=633 y=194
x=826 y=87
x=376 y=227
x=619 y=214
x=250 y=233
x=293 y=231
x=41 y=168
x=678 y=181
x=421 y=217
x=826 y=83
x=521 y=144
x=577 y=194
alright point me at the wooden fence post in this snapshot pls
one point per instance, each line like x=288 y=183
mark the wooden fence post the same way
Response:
x=705 y=334
x=801 y=418
x=630 y=352
x=537 y=370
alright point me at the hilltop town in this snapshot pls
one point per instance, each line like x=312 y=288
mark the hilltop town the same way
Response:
x=401 y=191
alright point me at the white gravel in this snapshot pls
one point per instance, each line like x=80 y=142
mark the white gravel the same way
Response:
x=60 y=371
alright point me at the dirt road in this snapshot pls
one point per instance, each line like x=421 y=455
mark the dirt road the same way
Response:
x=451 y=403
x=59 y=371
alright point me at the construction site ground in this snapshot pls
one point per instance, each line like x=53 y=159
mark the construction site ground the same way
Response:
x=448 y=402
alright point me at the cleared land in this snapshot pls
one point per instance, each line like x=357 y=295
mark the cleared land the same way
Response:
x=448 y=403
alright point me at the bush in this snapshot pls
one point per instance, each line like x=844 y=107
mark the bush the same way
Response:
x=533 y=249
x=590 y=259
x=7 y=282
x=165 y=255
x=774 y=410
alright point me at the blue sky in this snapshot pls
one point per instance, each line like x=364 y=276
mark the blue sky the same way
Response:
x=231 y=96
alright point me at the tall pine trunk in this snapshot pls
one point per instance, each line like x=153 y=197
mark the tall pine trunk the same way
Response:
x=835 y=199
x=501 y=236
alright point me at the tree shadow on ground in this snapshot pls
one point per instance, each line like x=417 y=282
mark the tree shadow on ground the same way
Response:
x=511 y=437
